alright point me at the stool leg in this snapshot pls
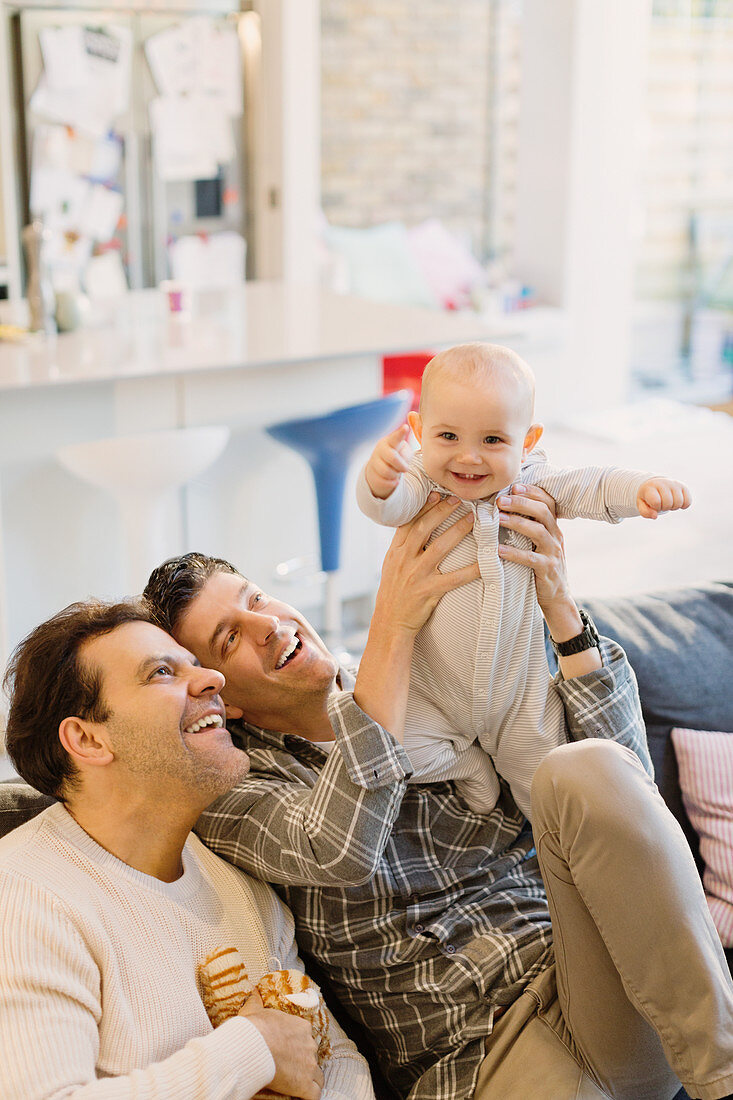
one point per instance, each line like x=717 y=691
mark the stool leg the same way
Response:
x=330 y=479
x=147 y=535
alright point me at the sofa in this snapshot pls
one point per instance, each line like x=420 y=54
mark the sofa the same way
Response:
x=680 y=644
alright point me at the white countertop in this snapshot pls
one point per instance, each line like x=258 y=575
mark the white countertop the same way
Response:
x=254 y=325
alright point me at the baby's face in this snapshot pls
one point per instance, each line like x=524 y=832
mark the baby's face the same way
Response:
x=474 y=436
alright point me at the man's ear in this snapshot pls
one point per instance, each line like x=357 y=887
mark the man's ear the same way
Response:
x=415 y=421
x=233 y=712
x=532 y=438
x=83 y=743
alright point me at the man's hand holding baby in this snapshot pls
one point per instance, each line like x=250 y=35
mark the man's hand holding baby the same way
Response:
x=661 y=494
x=389 y=461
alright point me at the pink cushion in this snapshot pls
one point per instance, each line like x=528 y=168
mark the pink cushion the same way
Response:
x=705 y=762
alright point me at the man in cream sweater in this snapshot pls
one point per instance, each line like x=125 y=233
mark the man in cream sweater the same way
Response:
x=109 y=902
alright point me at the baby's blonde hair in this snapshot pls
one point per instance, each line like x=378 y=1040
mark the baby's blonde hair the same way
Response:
x=479 y=363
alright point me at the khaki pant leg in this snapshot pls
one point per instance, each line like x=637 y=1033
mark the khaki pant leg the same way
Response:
x=642 y=980
x=526 y=1057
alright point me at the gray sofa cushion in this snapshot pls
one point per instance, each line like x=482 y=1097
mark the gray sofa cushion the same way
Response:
x=19 y=803
x=680 y=645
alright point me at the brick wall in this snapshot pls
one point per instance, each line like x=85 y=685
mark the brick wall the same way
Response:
x=406 y=113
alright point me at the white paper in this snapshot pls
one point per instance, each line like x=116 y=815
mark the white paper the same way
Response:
x=62 y=149
x=76 y=107
x=101 y=213
x=109 y=50
x=219 y=64
x=214 y=124
x=65 y=59
x=105 y=276
x=216 y=260
x=91 y=106
x=171 y=56
x=60 y=198
x=106 y=160
x=183 y=145
x=49 y=187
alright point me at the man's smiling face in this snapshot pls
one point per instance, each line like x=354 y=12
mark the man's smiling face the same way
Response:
x=166 y=722
x=278 y=671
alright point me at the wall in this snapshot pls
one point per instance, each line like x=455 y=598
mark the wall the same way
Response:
x=405 y=112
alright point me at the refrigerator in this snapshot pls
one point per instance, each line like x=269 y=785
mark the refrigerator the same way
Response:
x=132 y=141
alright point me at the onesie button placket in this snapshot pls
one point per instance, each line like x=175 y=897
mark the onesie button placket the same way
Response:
x=486 y=533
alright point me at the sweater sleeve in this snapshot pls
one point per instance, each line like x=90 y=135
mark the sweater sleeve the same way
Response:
x=401 y=505
x=591 y=492
x=51 y=1012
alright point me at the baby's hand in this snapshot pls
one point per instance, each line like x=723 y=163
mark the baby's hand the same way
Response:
x=661 y=494
x=390 y=458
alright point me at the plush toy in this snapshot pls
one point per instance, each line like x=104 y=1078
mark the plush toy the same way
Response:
x=225 y=986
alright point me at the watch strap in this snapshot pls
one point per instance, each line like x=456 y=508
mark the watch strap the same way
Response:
x=587 y=639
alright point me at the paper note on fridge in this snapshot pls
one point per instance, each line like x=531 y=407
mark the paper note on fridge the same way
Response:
x=171 y=56
x=219 y=68
x=215 y=260
x=101 y=213
x=65 y=59
x=93 y=98
x=191 y=136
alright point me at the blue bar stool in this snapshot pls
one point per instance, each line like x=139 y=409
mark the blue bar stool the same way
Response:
x=327 y=443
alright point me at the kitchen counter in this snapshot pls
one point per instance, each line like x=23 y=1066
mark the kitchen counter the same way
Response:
x=251 y=326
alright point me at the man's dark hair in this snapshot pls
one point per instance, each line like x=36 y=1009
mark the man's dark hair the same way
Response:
x=47 y=681
x=177 y=582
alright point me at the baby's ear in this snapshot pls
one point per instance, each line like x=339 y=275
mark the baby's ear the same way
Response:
x=415 y=421
x=532 y=438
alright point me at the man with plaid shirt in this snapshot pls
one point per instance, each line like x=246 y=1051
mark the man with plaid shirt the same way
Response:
x=473 y=976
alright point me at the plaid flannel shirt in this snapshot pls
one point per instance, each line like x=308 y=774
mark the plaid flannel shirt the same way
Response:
x=424 y=916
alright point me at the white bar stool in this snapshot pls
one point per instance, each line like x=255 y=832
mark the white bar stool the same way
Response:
x=141 y=472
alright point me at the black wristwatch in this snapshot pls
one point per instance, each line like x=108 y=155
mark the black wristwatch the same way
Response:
x=588 y=639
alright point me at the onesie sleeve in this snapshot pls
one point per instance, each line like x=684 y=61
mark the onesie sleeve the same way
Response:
x=404 y=503
x=591 y=492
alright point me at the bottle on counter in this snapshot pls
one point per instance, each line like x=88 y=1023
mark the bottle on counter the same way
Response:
x=41 y=299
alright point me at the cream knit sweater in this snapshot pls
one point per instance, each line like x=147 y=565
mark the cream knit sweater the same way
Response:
x=98 y=991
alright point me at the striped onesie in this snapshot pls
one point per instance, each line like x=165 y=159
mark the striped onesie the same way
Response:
x=481 y=699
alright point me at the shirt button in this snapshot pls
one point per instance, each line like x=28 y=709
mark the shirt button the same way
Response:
x=450 y=949
x=491 y=587
x=419 y=927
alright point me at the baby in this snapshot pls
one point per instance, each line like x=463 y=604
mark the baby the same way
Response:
x=481 y=700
